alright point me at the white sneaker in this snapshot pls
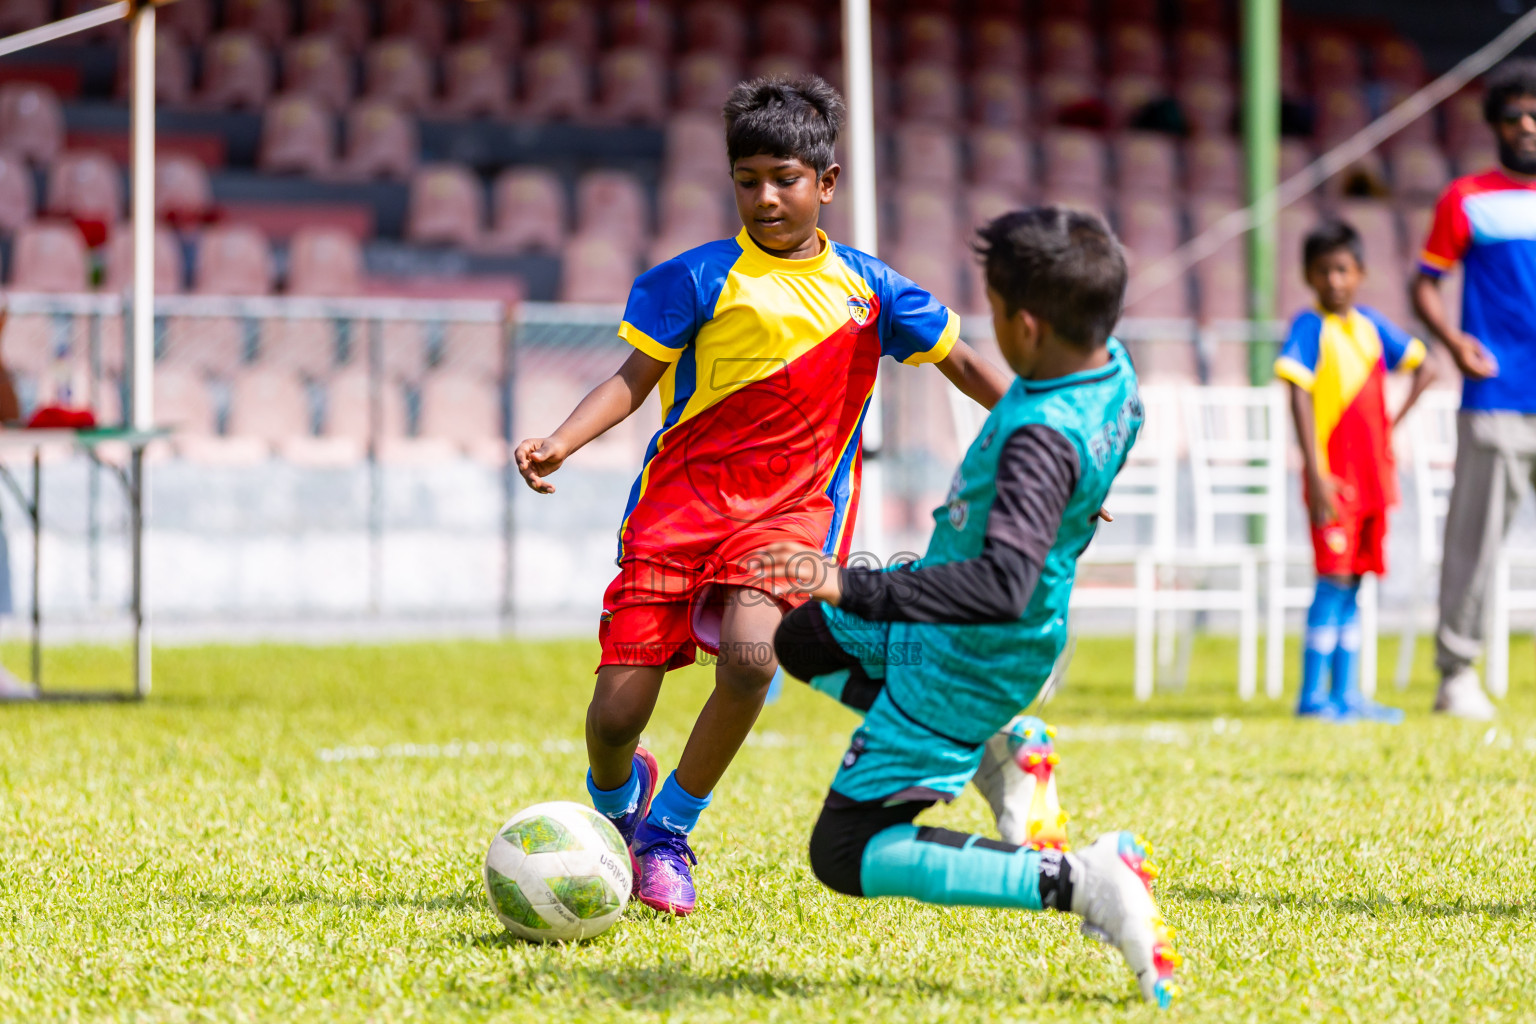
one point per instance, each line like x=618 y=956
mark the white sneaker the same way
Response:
x=1112 y=892
x=12 y=688
x=1461 y=695
x=1018 y=778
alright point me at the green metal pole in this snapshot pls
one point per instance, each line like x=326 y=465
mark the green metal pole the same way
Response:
x=1261 y=141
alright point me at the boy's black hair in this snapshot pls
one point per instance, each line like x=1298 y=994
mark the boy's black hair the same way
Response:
x=1064 y=266
x=1331 y=235
x=1509 y=80
x=797 y=118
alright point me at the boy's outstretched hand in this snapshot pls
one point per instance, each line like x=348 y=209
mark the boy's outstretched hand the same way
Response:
x=793 y=568
x=538 y=457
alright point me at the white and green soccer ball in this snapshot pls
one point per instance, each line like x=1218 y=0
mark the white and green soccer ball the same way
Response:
x=557 y=872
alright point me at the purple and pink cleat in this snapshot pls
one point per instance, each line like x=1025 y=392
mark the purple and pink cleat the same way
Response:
x=658 y=857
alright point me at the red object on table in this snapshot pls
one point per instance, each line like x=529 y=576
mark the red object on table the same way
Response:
x=61 y=417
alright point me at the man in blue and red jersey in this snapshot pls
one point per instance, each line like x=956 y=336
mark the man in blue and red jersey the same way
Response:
x=1487 y=222
x=765 y=348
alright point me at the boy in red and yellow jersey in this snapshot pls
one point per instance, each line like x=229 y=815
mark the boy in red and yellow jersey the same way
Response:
x=765 y=347
x=1336 y=359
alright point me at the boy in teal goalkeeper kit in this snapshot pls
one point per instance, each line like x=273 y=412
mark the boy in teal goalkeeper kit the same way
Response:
x=941 y=654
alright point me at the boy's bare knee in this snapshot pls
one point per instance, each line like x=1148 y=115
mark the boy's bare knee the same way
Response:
x=745 y=677
x=614 y=724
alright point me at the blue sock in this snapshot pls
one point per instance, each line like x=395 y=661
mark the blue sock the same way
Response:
x=615 y=803
x=897 y=862
x=1346 y=658
x=675 y=809
x=1322 y=642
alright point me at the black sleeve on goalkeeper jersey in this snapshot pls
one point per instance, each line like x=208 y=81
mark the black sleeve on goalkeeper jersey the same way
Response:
x=1037 y=472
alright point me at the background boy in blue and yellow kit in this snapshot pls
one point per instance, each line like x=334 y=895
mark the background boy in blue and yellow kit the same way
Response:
x=1336 y=360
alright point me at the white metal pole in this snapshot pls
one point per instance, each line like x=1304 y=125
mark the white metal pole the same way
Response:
x=859 y=85
x=143 y=184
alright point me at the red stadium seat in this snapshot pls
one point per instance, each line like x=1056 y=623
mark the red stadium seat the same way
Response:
x=268 y=404
x=381 y=142
x=86 y=186
x=31 y=121
x=18 y=199
x=1398 y=62
x=1292 y=82
x=234 y=259
x=529 y=204
x=48 y=257
x=1135 y=48
x=192 y=20
x=1209 y=106
x=984 y=205
x=569 y=23
x=1206 y=14
x=398 y=71
x=1214 y=166
x=1386 y=284
x=425 y=24
x=1221 y=278
x=267 y=21
x=298 y=136
x=236 y=71
x=1150 y=230
x=1147 y=165
x=1067 y=47
x=1128 y=95
x=1058 y=92
x=928 y=37
x=832 y=71
x=183 y=193
x=930 y=92
x=1419 y=171
x=1120 y=11
x=926 y=217
x=611 y=204
x=1201 y=53
x=1074 y=161
x=648 y=24
x=173 y=69
x=938 y=270
x=633 y=86
x=997 y=43
x=695 y=209
x=927 y=154
x=1001 y=160
x=710 y=26
x=497 y=22
x=460 y=408
x=183 y=401
x=704 y=80
x=1421 y=130
x=476 y=81
x=349 y=407
x=324 y=261
x=1464 y=124
x=999 y=99
x=1333 y=59
x=347 y=20
x=557 y=85
x=316 y=66
x=1295 y=222
x=695 y=148
x=20 y=15
x=783 y=65
x=1340 y=114
x=169 y=269
x=1476 y=158
x=446 y=206
x=596 y=270
x=788 y=30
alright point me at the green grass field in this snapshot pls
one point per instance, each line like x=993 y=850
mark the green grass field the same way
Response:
x=286 y=833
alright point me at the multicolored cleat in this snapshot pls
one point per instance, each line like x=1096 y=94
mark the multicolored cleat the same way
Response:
x=1112 y=892
x=663 y=880
x=1018 y=778
x=627 y=824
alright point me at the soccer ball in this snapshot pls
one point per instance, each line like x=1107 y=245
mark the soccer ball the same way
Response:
x=557 y=872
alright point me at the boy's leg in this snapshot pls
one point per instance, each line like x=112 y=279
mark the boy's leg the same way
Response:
x=1320 y=645
x=1348 y=701
x=622 y=776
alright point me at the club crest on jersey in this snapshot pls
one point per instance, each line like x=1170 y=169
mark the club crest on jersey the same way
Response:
x=858 y=309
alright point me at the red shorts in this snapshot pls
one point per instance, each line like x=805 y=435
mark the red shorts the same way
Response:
x=665 y=612
x=1353 y=545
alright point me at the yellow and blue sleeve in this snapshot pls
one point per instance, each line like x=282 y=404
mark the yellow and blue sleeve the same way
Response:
x=1298 y=356
x=1401 y=351
x=662 y=314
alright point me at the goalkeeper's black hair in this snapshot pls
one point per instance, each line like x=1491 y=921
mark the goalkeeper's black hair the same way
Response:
x=1332 y=235
x=1063 y=266
x=1510 y=80
x=796 y=118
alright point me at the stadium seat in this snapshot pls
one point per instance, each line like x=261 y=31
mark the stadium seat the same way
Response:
x=926 y=216
x=710 y=26
x=1135 y=48
x=1150 y=230
x=324 y=261
x=928 y=37
x=611 y=204
x=1214 y=167
x=381 y=142
x=446 y=206
x=1419 y=171
x=1396 y=61
x=1074 y=159
x=529 y=205
x=183 y=401
x=170 y=272
x=1340 y=114
x=1057 y=92
x=647 y=24
x=1146 y=165
x=18 y=199
x=85 y=186
x=298 y=136
x=1067 y=47
x=1201 y=53
x=48 y=256
x=1295 y=155
x=1292 y=81
x=633 y=86
x=1118 y=12
x=1127 y=96
x=832 y=71
x=998 y=44
x=784 y=65
x=476 y=82
x=1333 y=60
x=497 y=22
x=349 y=404
x=939 y=270
x=234 y=259
x=462 y=409
x=1464 y=124
x=269 y=404
x=704 y=80
x=929 y=92
x=425 y=24
x=695 y=148
x=927 y=154
x=316 y=66
x=347 y=20
x=191 y=20
x=1000 y=159
x=1210 y=107
x=983 y=205
x=556 y=83
x=1476 y=158
x=173 y=69
x=1421 y=130
x=596 y=270
x=237 y=72
x=999 y=99
x=31 y=121
x=267 y=21
x=1214 y=15
x=1295 y=222
x=568 y=23
x=397 y=70
x=695 y=209
x=20 y=15
x=788 y=30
